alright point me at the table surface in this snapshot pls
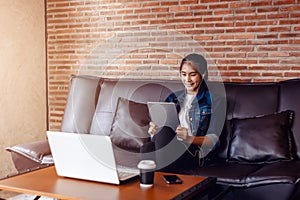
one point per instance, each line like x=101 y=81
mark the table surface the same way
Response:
x=45 y=182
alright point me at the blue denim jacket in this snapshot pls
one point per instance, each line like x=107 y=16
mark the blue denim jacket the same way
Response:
x=200 y=112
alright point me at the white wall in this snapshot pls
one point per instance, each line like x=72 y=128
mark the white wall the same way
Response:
x=22 y=76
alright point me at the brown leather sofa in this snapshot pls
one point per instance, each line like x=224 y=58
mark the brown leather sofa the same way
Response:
x=259 y=149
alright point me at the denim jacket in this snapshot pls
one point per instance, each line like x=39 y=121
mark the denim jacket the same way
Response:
x=200 y=112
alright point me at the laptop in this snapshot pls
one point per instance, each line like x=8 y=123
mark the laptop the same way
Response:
x=163 y=114
x=87 y=157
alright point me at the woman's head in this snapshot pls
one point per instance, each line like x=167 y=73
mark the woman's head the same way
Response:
x=198 y=62
x=193 y=69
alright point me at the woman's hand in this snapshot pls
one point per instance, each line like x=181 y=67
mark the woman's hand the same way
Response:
x=182 y=133
x=152 y=129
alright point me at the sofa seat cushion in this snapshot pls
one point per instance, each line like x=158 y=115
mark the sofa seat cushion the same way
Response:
x=130 y=125
x=280 y=172
x=278 y=191
x=227 y=173
x=262 y=139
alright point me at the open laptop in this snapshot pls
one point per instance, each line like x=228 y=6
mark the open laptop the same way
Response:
x=163 y=114
x=87 y=157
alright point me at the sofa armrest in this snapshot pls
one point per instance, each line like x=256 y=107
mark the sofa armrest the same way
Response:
x=36 y=151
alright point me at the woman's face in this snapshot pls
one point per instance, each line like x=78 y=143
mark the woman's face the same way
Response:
x=190 y=78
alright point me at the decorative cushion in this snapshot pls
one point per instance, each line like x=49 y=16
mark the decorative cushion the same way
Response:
x=130 y=125
x=262 y=139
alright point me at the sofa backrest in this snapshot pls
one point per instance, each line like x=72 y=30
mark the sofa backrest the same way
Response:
x=85 y=114
x=249 y=100
x=81 y=103
x=289 y=99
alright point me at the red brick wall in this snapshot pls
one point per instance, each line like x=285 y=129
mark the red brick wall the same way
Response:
x=255 y=41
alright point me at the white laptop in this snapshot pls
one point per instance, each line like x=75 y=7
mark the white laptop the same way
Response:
x=163 y=114
x=87 y=157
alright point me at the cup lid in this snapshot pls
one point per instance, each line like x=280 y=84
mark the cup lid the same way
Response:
x=146 y=164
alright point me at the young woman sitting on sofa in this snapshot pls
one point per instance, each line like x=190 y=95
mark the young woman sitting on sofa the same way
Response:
x=194 y=137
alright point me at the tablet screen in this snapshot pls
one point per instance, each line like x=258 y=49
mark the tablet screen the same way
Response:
x=163 y=114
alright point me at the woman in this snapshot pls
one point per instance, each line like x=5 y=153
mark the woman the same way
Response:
x=193 y=137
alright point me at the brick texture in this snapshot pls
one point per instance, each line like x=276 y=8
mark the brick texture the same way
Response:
x=255 y=41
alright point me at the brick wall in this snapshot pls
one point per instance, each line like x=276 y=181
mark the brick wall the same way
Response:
x=255 y=41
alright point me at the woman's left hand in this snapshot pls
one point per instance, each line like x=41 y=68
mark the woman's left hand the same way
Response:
x=182 y=133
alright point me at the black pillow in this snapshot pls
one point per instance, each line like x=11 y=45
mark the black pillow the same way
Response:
x=262 y=139
x=130 y=125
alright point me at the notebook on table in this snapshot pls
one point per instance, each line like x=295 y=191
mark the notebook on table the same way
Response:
x=87 y=157
x=163 y=114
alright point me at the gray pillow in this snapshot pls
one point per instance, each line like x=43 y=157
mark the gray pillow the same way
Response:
x=130 y=125
x=262 y=139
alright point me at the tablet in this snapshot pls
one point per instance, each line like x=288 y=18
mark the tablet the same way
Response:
x=163 y=114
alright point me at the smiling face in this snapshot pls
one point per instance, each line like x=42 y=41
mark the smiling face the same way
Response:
x=190 y=78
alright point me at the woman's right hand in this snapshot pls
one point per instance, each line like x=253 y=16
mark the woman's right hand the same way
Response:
x=152 y=129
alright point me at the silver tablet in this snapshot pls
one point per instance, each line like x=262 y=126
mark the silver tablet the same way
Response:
x=163 y=114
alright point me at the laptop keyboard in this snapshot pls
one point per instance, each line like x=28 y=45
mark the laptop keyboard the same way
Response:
x=125 y=175
x=127 y=169
x=126 y=172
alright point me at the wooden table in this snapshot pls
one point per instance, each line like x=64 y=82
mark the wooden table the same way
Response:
x=45 y=182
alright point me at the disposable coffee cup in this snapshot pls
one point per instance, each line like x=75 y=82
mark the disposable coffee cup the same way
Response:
x=147 y=168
